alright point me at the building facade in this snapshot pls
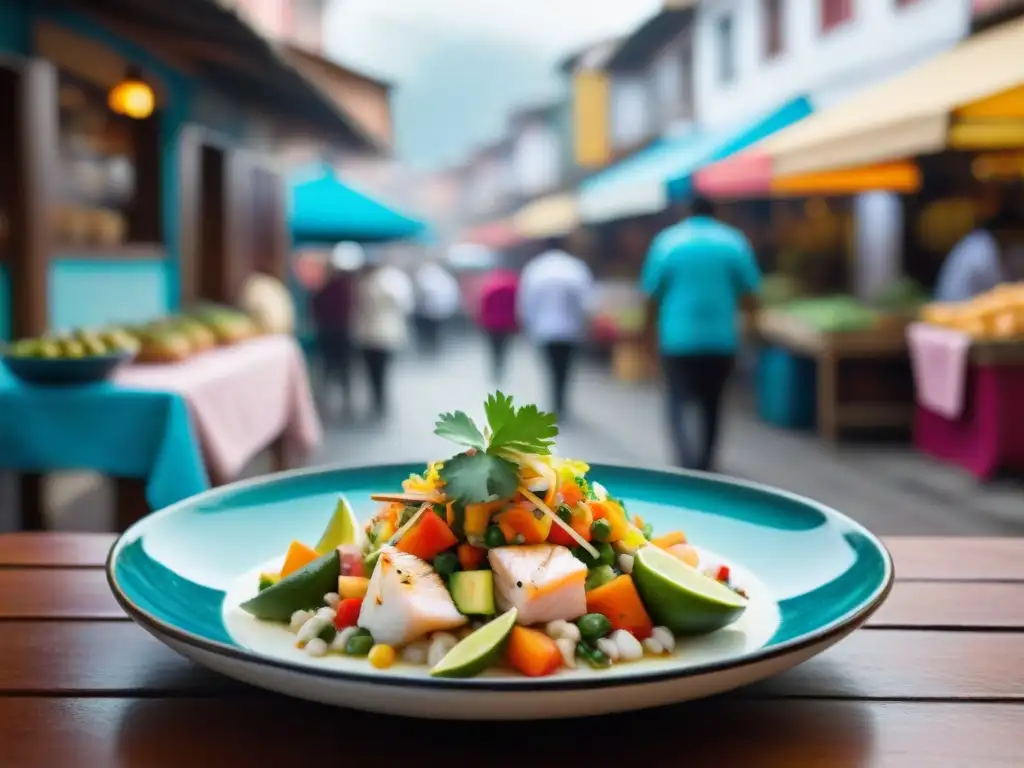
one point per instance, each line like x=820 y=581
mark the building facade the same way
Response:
x=536 y=160
x=752 y=55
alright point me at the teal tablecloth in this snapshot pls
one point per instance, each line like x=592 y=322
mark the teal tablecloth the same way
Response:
x=104 y=428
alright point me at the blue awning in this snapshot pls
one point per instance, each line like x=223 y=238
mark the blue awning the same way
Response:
x=324 y=211
x=649 y=180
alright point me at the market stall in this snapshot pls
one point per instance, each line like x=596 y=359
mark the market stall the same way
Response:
x=968 y=364
x=833 y=364
x=205 y=398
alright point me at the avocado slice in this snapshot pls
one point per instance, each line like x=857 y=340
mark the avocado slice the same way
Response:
x=302 y=590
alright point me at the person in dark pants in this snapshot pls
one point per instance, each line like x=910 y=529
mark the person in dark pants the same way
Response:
x=376 y=360
x=331 y=308
x=496 y=316
x=554 y=302
x=696 y=276
x=385 y=299
x=559 y=356
x=700 y=380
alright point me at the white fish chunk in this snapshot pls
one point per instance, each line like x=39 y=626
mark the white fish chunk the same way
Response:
x=406 y=600
x=543 y=581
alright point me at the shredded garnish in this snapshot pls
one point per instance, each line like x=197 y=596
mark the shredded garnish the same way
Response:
x=410 y=523
x=533 y=499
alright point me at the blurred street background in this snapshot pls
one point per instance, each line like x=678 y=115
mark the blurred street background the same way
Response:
x=420 y=195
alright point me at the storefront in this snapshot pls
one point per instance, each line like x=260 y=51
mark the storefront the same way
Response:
x=123 y=217
x=138 y=141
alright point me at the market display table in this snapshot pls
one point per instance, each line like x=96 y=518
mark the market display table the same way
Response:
x=164 y=430
x=937 y=678
x=861 y=378
x=982 y=428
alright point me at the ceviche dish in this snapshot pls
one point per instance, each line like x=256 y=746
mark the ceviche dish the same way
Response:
x=500 y=557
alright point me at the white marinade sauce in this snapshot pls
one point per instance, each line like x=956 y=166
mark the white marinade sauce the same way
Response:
x=752 y=631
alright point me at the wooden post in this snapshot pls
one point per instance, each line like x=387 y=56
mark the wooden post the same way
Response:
x=828 y=393
x=34 y=170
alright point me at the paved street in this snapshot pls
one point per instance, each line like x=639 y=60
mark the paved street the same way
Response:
x=888 y=488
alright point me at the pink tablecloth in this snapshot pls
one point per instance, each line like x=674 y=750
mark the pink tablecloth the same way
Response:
x=938 y=357
x=989 y=434
x=241 y=398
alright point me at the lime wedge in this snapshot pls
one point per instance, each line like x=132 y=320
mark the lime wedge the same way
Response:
x=479 y=651
x=343 y=528
x=680 y=597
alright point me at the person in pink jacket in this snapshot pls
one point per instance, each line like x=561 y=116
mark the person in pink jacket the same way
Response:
x=496 y=316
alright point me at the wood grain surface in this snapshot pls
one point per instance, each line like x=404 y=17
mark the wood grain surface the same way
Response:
x=936 y=678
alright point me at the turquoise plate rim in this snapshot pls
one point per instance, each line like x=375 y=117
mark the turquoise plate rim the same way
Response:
x=852 y=618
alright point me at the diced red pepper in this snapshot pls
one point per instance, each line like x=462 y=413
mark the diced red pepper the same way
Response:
x=723 y=573
x=348 y=613
x=558 y=536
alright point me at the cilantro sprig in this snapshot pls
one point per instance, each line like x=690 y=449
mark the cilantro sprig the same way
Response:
x=483 y=473
x=526 y=429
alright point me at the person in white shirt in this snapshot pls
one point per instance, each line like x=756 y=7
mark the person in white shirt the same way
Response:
x=981 y=260
x=437 y=301
x=554 y=305
x=384 y=301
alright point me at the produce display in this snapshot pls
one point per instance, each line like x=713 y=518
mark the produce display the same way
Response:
x=177 y=338
x=902 y=296
x=503 y=556
x=997 y=315
x=832 y=314
x=77 y=345
x=167 y=340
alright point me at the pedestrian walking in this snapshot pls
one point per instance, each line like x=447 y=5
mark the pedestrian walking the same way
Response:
x=437 y=301
x=332 y=309
x=554 y=305
x=384 y=300
x=696 y=276
x=496 y=316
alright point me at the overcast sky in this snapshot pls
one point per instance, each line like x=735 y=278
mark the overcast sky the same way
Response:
x=462 y=65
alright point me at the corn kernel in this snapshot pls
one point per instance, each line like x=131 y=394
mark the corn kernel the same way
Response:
x=382 y=656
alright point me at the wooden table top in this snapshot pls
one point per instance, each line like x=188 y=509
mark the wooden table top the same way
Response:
x=937 y=678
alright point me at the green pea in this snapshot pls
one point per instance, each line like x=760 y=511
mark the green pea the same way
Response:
x=328 y=633
x=599 y=576
x=585 y=557
x=359 y=645
x=493 y=537
x=446 y=563
x=595 y=658
x=605 y=554
x=594 y=626
x=565 y=514
x=601 y=530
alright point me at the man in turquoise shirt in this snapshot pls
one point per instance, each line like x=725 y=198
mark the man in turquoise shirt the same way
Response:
x=697 y=274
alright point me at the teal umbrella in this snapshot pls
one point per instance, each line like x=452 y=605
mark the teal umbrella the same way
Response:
x=325 y=211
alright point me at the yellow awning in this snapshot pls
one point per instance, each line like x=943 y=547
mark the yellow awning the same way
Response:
x=549 y=216
x=977 y=83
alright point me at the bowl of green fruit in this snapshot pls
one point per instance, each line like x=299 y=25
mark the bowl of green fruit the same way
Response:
x=80 y=357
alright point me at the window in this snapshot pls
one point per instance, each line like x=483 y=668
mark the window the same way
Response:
x=773 y=24
x=835 y=13
x=726 y=50
x=109 y=171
